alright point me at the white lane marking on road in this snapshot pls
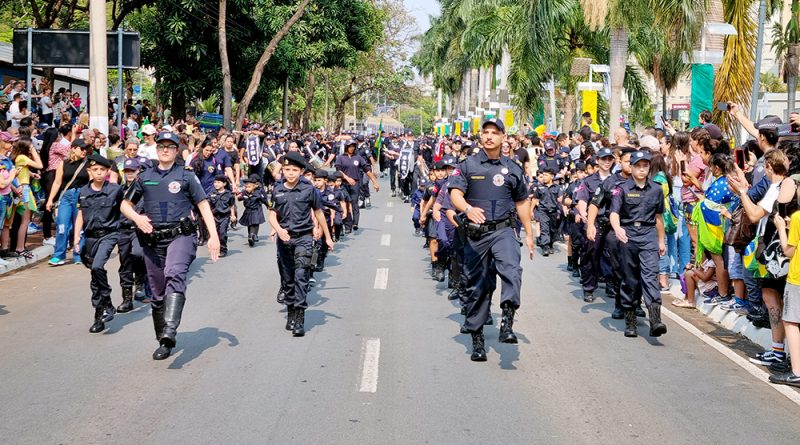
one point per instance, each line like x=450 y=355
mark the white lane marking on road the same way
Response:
x=370 y=355
x=388 y=218
x=386 y=239
x=390 y=204
x=757 y=372
x=381 y=278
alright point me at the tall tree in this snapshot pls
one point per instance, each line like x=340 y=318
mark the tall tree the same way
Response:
x=227 y=94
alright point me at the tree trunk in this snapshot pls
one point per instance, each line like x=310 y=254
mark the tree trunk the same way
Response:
x=568 y=105
x=664 y=104
x=309 y=100
x=338 y=116
x=179 y=104
x=792 y=67
x=457 y=103
x=227 y=94
x=618 y=60
x=285 y=113
x=244 y=104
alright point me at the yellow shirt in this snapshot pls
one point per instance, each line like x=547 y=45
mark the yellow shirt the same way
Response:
x=794 y=240
x=24 y=174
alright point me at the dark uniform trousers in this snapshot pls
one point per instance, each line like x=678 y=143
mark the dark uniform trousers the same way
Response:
x=393 y=175
x=168 y=264
x=365 y=186
x=457 y=257
x=131 y=264
x=354 y=191
x=639 y=263
x=591 y=253
x=95 y=254
x=294 y=261
x=548 y=226
x=502 y=247
x=222 y=231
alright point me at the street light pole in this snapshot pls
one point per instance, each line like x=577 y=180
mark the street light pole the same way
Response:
x=98 y=67
x=762 y=17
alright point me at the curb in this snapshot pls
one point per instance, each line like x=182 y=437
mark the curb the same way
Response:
x=40 y=254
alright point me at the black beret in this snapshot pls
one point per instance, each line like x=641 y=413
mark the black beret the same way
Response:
x=294 y=158
x=96 y=159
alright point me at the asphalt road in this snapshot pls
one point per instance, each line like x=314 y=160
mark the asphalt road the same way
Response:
x=376 y=365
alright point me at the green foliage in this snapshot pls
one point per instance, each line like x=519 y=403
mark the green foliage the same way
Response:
x=771 y=83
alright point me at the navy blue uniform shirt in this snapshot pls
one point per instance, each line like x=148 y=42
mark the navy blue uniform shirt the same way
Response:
x=352 y=166
x=603 y=195
x=168 y=195
x=100 y=209
x=221 y=203
x=636 y=204
x=588 y=188
x=548 y=197
x=494 y=185
x=294 y=205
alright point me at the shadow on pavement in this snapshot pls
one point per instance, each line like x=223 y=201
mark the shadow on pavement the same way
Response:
x=140 y=312
x=316 y=318
x=3 y=310
x=192 y=344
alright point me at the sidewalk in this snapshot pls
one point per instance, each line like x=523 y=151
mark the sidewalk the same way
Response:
x=40 y=253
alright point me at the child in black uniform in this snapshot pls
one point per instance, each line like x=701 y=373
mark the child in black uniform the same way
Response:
x=222 y=206
x=253 y=215
x=345 y=201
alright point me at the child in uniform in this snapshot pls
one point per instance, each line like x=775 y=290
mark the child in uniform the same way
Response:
x=222 y=206
x=253 y=215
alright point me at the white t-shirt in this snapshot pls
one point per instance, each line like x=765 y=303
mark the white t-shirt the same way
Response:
x=47 y=105
x=148 y=151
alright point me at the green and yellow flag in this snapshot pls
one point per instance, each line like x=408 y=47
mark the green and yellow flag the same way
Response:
x=379 y=140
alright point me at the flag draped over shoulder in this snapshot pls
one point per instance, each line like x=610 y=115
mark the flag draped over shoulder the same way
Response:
x=379 y=140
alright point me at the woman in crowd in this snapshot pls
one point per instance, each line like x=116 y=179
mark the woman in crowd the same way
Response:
x=25 y=157
x=55 y=148
x=680 y=245
x=71 y=175
x=46 y=104
x=661 y=176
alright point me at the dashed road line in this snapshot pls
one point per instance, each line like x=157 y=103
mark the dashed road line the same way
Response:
x=381 y=278
x=370 y=356
x=386 y=239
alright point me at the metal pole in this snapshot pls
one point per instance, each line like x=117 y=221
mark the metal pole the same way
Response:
x=29 y=74
x=762 y=17
x=120 y=94
x=98 y=66
x=553 y=103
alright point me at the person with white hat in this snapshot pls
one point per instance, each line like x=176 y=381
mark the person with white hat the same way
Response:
x=148 y=148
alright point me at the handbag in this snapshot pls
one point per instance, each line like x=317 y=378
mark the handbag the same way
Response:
x=741 y=231
x=772 y=257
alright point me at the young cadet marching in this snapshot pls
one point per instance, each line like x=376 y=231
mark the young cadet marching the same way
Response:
x=131 y=262
x=222 y=206
x=489 y=188
x=545 y=201
x=98 y=217
x=290 y=214
x=636 y=211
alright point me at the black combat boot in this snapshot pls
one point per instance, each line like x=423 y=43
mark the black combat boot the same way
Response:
x=657 y=328
x=299 y=320
x=281 y=296
x=618 y=314
x=127 y=300
x=588 y=296
x=158 y=326
x=173 y=309
x=570 y=268
x=630 y=324
x=98 y=325
x=478 y=349
x=108 y=309
x=141 y=293
x=439 y=272
x=576 y=260
x=639 y=311
x=290 y=311
x=506 y=326
x=433 y=269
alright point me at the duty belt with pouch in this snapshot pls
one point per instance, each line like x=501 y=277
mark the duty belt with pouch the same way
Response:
x=168 y=231
x=475 y=231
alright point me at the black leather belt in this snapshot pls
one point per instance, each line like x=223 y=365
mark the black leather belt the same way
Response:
x=639 y=224
x=299 y=234
x=487 y=227
x=97 y=233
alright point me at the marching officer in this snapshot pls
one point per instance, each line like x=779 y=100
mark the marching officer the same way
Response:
x=489 y=188
x=167 y=232
x=591 y=234
x=132 y=270
x=353 y=167
x=293 y=202
x=638 y=225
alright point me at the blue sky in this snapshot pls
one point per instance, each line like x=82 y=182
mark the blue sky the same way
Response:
x=420 y=9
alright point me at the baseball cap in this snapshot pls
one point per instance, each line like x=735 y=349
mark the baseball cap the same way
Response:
x=168 y=136
x=497 y=123
x=7 y=137
x=549 y=144
x=713 y=131
x=604 y=153
x=640 y=156
x=149 y=129
x=131 y=164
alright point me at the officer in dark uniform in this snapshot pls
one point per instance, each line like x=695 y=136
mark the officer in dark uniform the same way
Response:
x=550 y=159
x=638 y=225
x=365 y=151
x=591 y=237
x=568 y=202
x=545 y=201
x=488 y=188
x=98 y=217
x=293 y=202
x=131 y=263
x=167 y=232
x=353 y=167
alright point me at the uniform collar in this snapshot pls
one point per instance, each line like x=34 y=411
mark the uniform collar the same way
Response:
x=483 y=157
